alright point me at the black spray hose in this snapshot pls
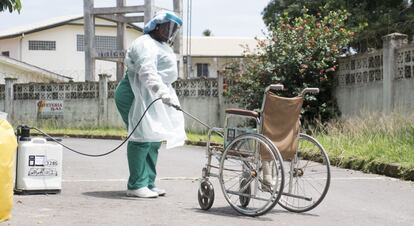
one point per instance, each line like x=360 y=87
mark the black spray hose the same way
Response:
x=178 y=108
x=107 y=153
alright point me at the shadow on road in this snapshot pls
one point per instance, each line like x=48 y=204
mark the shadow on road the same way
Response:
x=283 y=211
x=230 y=212
x=109 y=195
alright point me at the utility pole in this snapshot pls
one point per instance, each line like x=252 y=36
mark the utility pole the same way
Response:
x=178 y=44
x=120 y=42
x=89 y=27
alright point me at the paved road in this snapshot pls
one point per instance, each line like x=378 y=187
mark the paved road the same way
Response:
x=93 y=194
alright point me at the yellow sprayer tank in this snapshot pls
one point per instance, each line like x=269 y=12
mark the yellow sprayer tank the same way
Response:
x=8 y=145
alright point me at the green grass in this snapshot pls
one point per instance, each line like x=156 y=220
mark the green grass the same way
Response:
x=196 y=137
x=85 y=131
x=372 y=138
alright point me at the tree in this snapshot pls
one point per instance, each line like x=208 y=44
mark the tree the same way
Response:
x=299 y=53
x=207 y=33
x=377 y=17
x=11 y=5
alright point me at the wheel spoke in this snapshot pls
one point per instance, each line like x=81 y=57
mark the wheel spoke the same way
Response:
x=310 y=179
x=243 y=187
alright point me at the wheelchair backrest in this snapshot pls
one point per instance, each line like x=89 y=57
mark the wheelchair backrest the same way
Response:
x=280 y=122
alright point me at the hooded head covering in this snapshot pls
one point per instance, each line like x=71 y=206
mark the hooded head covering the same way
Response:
x=160 y=18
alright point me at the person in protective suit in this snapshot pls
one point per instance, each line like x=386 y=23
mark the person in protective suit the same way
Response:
x=151 y=69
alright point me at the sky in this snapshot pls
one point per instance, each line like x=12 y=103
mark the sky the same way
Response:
x=225 y=18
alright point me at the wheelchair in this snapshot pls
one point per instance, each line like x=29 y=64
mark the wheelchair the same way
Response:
x=269 y=163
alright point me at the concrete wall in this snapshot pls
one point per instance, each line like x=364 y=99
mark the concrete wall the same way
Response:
x=359 y=99
x=11 y=45
x=24 y=73
x=379 y=81
x=77 y=113
x=403 y=96
x=2 y=105
x=80 y=113
x=92 y=104
x=84 y=113
x=114 y=118
x=2 y=97
x=204 y=108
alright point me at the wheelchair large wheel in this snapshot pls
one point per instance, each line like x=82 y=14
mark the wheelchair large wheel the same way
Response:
x=241 y=174
x=307 y=176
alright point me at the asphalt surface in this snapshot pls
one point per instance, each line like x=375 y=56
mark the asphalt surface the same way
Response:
x=93 y=193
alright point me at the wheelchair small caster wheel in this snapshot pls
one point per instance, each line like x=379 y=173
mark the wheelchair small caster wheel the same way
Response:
x=205 y=195
x=244 y=200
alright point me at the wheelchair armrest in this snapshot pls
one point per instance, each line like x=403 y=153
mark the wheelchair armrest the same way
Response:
x=235 y=111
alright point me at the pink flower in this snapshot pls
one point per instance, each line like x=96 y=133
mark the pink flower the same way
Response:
x=331 y=69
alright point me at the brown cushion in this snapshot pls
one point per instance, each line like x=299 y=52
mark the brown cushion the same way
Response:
x=280 y=123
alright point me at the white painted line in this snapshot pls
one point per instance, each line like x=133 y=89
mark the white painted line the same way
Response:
x=197 y=178
x=364 y=178
x=179 y=178
x=124 y=180
x=94 y=180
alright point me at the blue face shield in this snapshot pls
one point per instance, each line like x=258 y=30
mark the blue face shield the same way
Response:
x=171 y=30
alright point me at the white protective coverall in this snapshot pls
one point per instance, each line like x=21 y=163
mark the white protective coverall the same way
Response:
x=152 y=68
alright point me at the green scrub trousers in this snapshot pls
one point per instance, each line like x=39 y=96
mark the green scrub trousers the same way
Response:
x=142 y=156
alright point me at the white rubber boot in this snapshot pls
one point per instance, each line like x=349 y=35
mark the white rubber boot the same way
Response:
x=159 y=191
x=142 y=193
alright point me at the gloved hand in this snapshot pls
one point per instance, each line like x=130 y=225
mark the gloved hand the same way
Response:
x=166 y=99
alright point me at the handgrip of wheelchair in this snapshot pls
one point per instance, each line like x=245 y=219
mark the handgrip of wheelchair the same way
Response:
x=309 y=90
x=242 y=112
x=274 y=87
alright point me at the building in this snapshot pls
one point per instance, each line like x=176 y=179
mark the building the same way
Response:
x=26 y=73
x=207 y=55
x=57 y=45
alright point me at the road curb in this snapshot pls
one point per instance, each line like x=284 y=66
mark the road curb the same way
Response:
x=392 y=170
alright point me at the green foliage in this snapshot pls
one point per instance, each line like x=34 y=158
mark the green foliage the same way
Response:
x=378 y=17
x=207 y=33
x=10 y=5
x=297 y=53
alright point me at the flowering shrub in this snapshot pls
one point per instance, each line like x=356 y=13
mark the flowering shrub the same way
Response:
x=298 y=53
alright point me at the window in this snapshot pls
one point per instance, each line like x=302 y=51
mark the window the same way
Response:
x=101 y=42
x=5 y=53
x=42 y=45
x=202 y=70
x=80 y=43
